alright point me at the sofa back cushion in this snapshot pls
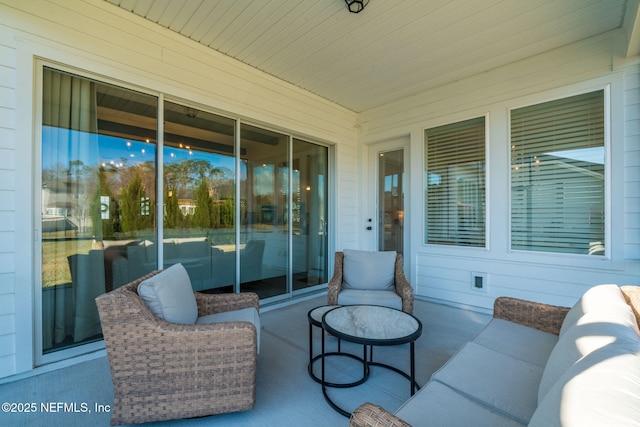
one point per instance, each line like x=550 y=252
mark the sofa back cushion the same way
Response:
x=596 y=298
x=593 y=331
x=369 y=270
x=601 y=317
x=601 y=389
x=169 y=295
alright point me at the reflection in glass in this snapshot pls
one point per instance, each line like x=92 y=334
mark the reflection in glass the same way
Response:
x=309 y=214
x=98 y=198
x=99 y=202
x=199 y=196
x=391 y=200
x=264 y=183
x=558 y=175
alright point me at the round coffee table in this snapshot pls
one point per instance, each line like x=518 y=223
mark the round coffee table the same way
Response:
x=315 y=319
x=371 y=325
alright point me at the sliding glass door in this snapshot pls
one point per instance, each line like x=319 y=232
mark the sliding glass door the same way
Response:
x=243 y=208
x=97 y=197
x=199 y=196
x=309 y=214
x=264 y=198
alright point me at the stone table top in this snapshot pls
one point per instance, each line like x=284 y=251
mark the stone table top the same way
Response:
x=371 y=324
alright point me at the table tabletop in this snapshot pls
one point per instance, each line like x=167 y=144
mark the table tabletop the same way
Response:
x=372 y=324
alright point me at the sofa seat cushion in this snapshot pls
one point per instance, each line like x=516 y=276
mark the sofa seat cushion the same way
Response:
x=369 y=270
x=358 y=296
x=518 y=341
x=169 y=295
x=601 y=389
x=437 y=405
x=503 y=383
x=248 y=314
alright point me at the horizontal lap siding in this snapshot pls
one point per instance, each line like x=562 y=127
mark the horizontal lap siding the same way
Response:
x=7 y=205
x=632 y=163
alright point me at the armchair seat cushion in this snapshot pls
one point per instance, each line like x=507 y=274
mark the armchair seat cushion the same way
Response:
x=359 y=296
x=248 y=314
x=169 y=295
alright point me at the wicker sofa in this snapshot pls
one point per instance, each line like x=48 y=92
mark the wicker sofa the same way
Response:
x=536 y=365
x=163 y=370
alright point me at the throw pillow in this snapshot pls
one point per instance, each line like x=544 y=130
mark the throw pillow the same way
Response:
x=169 y=295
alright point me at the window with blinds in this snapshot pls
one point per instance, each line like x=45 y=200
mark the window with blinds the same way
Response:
x=558 y=176
x=455 y=184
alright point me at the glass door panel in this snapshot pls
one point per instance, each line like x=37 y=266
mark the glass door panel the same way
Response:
x=309 y=214
x=199 y=196
x=391 y=201
x=264 y=198
x=98 y=198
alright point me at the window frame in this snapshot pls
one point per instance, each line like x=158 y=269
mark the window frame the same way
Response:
x=487 y=187
x=562 y=257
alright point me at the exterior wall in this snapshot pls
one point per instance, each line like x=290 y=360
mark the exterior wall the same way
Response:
x=444 y=272
x=100 y=39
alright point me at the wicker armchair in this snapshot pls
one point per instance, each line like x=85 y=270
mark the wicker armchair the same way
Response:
x=402 y=286
x=164 y=371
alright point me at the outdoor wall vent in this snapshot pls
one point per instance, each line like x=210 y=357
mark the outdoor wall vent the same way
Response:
x=479 y=281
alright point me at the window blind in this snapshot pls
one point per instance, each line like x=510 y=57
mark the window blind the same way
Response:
x=455 y=183
x=558 y=176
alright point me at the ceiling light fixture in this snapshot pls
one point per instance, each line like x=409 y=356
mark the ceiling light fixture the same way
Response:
x=356 y=6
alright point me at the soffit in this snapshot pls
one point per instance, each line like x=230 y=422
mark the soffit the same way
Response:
x=391 y=50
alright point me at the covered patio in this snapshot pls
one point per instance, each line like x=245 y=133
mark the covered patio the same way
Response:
x=279 y=92
x=285 y=396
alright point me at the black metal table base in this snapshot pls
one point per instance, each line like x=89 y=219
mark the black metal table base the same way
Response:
x=367 y=362
x=366 y=370
x=332 y=384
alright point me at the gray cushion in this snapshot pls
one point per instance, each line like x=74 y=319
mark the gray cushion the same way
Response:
x=599 y=297
x=169 y=295
x=594 y=330
x=248 y=314
x=356 y=296
x=437 y=405
x=521 y=342
x=602 y=389
x=503 y=383
x=368 y=270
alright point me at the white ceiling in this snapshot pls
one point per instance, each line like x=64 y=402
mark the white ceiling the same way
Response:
x=391 y=50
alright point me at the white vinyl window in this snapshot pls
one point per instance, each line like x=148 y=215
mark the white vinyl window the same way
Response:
x=558 y=176
x=455 y=184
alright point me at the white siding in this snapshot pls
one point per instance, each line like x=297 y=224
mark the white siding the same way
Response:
x=103 y=40
x=632 y=163
x=7 y=206
x=443 y=272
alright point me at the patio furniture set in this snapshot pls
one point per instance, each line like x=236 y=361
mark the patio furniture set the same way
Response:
x=533 y=364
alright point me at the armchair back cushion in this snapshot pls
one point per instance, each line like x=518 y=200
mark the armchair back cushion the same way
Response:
x=369 y=270
x=169 y=295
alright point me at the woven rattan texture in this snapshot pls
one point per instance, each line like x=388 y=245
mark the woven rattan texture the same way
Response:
x=370 y=415
x=632 y=295
x=545 y=317
x=402 y=286
x=164 y=371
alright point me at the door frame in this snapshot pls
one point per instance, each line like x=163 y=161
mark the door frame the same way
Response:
x=373 y=202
